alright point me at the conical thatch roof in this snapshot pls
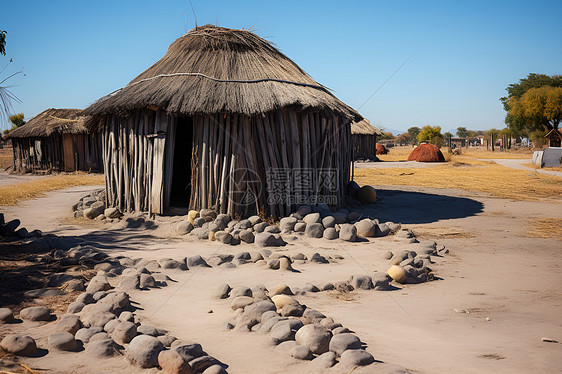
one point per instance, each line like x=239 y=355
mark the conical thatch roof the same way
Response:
x=364 y=127
x=52 y=121
x=214 y=70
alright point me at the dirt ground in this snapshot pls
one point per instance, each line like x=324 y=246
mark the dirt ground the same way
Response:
x=496 y=295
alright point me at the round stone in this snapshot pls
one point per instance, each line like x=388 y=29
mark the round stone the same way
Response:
x=62 y=341
x=19 y=345
x=144 y=350
x=356 y=357
x=315 y=337
x=342 y=342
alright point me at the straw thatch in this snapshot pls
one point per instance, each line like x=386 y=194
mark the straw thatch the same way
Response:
x=218 y=70
x=364 y=140
x=364 y=127
x=52 y=122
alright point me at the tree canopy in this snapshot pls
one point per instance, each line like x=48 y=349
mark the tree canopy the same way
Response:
x=462 y=132
x=534 y=104
x=414 y=131
x=431 y=134
x=17 y=121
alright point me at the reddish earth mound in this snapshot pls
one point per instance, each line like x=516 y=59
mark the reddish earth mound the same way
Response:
x=426 y=153
x=381 y=149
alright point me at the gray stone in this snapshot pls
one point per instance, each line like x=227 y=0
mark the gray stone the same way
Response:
x=344 y=341
x=266 y=316
x=243 y=224
x=84 y=334
x=19 y=345
x=99 y=336
x=270 y=323
x=266 y=239
x=356 y=357
x=208 y=214
x=330 y=233
x=6 y=315
x=146 y=281
x=94 y=210
x=130 y=282
x=98 y=283
x=287 y=224
x=222 y=291
x=143 y=351
x=69 y=323
x=246 y=236
x=301 y=352
x=241 y=302
x=198 y=222
x=111 y=325
x=257 y=309
x=112 y=213
x=201 y=233
x=166 y=340
x=196 y=261
x=340 y=330
x=314 y=230
x=101 y=348
x=254 y=220
x=223 y=237
x=312 y=218
x=36 y=313
x=285 y=264
x=124 y=332
x=366 y=228
x=348 y=232
x=272 y=229
x=260 y=227
x=281 y=333
x=127 y=316
x=148 y=330
x=318 y=258
x=227 y=326
x=292 y=310
x=382 y=230
x=63 y=341
x=215 y=369
x=117 y=300
x=329 y=221
x=315 y=337
x=363 y=282
x=202 y=363
x=189 y=352
x=353 y=216
x=300 y=227
x=309 y=287
x=240 y=291
x=325 y=360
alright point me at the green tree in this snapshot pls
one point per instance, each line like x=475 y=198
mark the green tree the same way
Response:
x=404 y=138
x=17 y=121
x=520 y=120
x=462 y=132
x=431 y=134
x=414 y=131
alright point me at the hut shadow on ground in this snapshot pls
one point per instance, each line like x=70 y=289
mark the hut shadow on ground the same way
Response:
x=410 y=207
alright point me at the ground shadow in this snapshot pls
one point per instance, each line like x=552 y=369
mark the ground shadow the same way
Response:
x=409 y=207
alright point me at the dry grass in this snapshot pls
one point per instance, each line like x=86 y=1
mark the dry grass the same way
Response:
x=546 y=228
x=469 y=174
x=536 y=167
x=14 y=193
x=6 y=157
x=402 y=153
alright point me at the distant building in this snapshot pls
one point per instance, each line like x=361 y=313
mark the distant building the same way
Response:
x=364 y=140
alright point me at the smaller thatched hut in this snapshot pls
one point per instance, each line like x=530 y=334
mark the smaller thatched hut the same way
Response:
x=364 y=140
x=554 y=137
x=56 y=139
x=426 y=152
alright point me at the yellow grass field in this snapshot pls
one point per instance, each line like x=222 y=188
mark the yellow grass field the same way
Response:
x=402 y=153
x=12 y=194
x=470 y=174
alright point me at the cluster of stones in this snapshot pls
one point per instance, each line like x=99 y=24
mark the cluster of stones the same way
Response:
x=413 y=265
x=13 y=229
x=102 y=321
x=301 y=332
x=310 y=221
x=92 y=206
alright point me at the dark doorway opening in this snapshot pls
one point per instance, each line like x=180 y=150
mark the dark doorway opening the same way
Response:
x=181 y=177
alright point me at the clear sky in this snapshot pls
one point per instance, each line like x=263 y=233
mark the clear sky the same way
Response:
x=463 y=53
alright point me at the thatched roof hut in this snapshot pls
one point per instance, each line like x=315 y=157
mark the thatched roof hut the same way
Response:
x=56 y=139
x=224 y=121
x=364 y=139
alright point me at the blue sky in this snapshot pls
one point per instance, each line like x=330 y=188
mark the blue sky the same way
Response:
x=463 y=54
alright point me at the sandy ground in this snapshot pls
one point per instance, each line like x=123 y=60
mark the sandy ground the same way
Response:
x=395 y=164
x=7 y=178
x=507 y=282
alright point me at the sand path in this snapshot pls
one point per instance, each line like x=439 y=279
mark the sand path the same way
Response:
x=508 y=283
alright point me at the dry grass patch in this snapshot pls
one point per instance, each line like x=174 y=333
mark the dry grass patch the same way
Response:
x=402 y=153
x=548 y=169
x=14 y=193
x=470 y=175
x=545 y=228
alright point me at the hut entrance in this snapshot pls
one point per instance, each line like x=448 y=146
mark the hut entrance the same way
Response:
x=181 y=170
